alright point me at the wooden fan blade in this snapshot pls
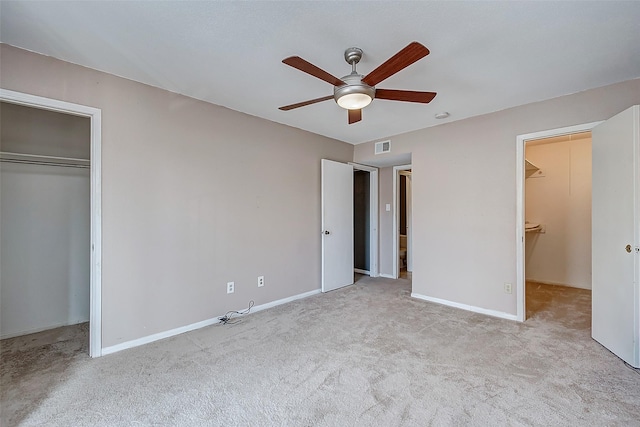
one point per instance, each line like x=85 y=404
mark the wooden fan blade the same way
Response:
x=405 y=95
x=407 y=56
x=302 y=104
x=309 y=68
x=355 y=116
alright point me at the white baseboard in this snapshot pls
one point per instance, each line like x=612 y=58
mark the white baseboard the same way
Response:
x=172 y=332
x=285 y=300
x=388 y=276
x=475 y=309
x=159 y=336
x=358 y=270
x=44 y=328
x=547 y=282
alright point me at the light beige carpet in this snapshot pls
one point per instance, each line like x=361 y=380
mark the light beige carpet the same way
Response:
x=365 y=355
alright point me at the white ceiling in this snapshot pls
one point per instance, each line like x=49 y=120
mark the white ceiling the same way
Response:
x=485 y=56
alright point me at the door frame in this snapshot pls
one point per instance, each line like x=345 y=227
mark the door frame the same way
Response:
x=374 y=270
x=396 y=208
x=95 y=116
x=521 y=140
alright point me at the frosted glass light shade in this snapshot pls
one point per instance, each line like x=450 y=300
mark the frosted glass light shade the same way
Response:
x=354 y=101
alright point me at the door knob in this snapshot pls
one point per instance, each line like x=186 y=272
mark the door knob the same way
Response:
x=628 y=248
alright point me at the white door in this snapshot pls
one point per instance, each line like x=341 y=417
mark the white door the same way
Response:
x=615 y=235
x=337 y=225
x=409 y=207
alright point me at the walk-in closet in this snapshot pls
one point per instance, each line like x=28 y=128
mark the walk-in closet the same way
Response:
x=558 y=222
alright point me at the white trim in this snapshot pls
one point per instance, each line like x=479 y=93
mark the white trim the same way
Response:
x=95 y=115
x=472 y=308
x=181 y=330
x=374 y=269
x=396 y=203
x=285 y=300
x=361 y=271
x=387 y=276
x=362 y=167
x=636 y=237
x=159 y=336
x=520 y=143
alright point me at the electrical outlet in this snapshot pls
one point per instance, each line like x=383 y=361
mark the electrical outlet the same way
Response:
x=507 y=288
x=231 y=287
x=260 y=281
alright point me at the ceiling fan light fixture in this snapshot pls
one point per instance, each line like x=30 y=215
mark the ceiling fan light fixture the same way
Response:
x=354 y=101
x=355 y=94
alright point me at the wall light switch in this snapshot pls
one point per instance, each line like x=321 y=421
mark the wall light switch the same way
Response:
x=387 y=207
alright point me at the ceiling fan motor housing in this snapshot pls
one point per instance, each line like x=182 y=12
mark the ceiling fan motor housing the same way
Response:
x=353 y=86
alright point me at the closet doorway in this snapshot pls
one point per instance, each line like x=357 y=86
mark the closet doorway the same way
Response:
x=558 y=224
x=554 y=221
x=50 y=189
x=365 y=220
x=402 y=221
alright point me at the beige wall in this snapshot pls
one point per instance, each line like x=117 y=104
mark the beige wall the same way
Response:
x=193 y=195
x=561 y=200
x=464 y=193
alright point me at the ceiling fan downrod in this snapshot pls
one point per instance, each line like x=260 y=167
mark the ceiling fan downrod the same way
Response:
x=354 y=94
x=353 y=55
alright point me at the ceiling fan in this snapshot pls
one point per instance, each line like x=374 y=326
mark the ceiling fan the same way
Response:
x=353 y=92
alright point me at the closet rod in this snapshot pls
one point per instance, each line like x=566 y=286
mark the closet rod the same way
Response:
x=36 y=159
x=38 y=156
x=35 y=162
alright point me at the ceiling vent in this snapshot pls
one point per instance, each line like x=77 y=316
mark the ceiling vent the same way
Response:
x=383 y=147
